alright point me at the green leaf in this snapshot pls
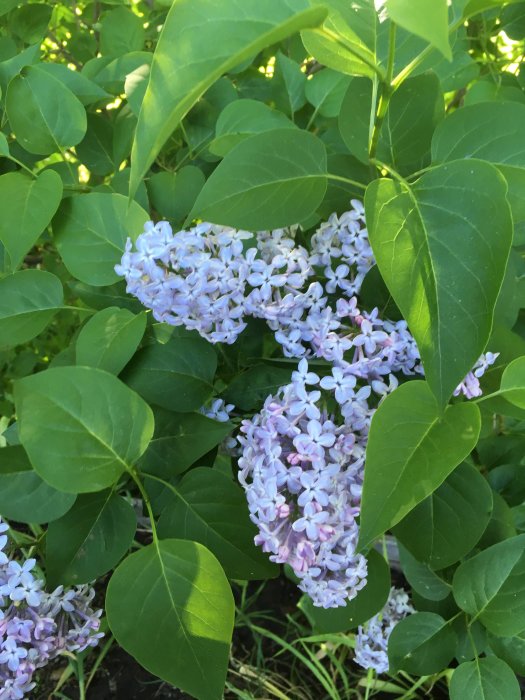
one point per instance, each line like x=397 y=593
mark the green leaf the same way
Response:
x=43 y=113
x=109 y=339
x=425 y=18
x=95 y=150
x=244 y=118
x=325 y=91
x=513 y=382
x=249 y=389
x=173 y=194
x=411 y=450
x=484 y=679
x=24 y=497
x=170 y=606
x=90 y=539
x=180 y=439
x=30 y=22
x=414 y=111
x=511 y=650
x=189 y=59
x=11 y=67
x=81 y=427
x=210 y=508
x=254 y=193
x=368 y=602
x=289 y=83
x=448 y=524
x=27 y=205
x=349 y=46
x=442 y=246
x=422 y=643
x=121 y=31
x=177 y=376
x=491 y=587
x=422 y=579
x=28 y=301
x=90 y=232
x=86 y=90
x=488 y=131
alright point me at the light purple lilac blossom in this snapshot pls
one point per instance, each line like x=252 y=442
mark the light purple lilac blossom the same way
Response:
x=372 y=638
x=207 y=279
x=302 y=469
x=36 y=626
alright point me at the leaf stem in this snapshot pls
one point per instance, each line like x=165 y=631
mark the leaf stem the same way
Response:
x=340 y=178
x=390 y=171
x=136 y=478
x=386 y=93
x=407 y=70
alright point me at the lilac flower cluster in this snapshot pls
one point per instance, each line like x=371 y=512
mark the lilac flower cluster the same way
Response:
x=204 y=279
x=372 y=638
x=36 y=626
x=302 y=469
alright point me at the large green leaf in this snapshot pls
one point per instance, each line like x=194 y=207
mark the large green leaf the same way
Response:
x=442 y=246
x=243 y=118
x=347 y=41
x=91 y=231
x=24 y=497
x=511 y=650
x=110 y=338
x=368 y=602
x=81 y=427
x=90 y=539
x=283 y=187
x=170 y=606
x=174 y=194
x=43 y=113
x=411 y=450
x=446 y=525
x=425 y=18
x=177 y=376
x=180 y=439
x=189 y=58
x=484 y=679
x=210 y=508
x=422 y=643
x=422 y=579
x=249 y=390
x=121 y=31
x=491 y=587
x=28 y=301
x=491 y=131
x=27 y=207
x=413 y=113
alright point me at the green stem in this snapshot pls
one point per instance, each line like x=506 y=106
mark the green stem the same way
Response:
x=386 y=93
x=340 y=178
x=407 y=70
x=136 y=478
x=390 y=171
x=22 y=165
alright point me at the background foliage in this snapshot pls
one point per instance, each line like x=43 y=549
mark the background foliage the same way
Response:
x=261 y=115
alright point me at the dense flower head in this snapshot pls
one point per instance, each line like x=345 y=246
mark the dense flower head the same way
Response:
x=372 y=638
x=302 y=469
x=36 y=626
